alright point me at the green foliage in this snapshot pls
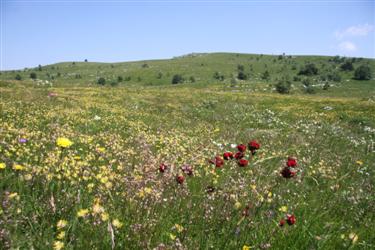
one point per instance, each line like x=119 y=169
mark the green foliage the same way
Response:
x=101 y=81
x=309 y=70
x=347 y=66
x=33 y=75
x=283 y=86
x=218 y=76
x=242 y=76
x=120 y=78
x=265 y=75
x=177 y=78
x=18 y=77
x=363 y=72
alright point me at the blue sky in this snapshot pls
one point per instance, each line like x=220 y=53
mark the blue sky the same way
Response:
x=45 y=32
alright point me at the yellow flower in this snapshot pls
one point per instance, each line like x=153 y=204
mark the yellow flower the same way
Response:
x=172 y=236
x=245 y=247
x=237 y=205
x=353 y=237
x=253 y=187
x=58 y=245
x=2 y=165
x=18 y=167
x=105 y=216
x=101 y=150
x=64 y=142
x=12 y=195
x=82 y=212
x=359 y=162
x=116 y=223
x=179 y=228
x=283 y=209
x=61 y=224
x=61 y=235
x=96 y=208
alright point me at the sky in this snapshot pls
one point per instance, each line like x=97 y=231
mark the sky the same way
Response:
x=45 y=32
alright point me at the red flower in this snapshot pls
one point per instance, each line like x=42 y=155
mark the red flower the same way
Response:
x=288 y=173
x=241 y=148
x=282 y=223
x=291 y=219
x=187 y=169
x=219 y=162
x=253 y=146
x=292 y=162
x=243 y=162
x=180 y=179
x=239 y=155
x=162 y=168
x=228 y=155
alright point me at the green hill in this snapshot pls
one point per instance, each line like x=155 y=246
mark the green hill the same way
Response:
x=202 y=69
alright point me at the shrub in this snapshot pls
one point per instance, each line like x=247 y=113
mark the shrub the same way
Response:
x=363 y=72
x=192 y=79
x=240 y=67
x=310 y=90
x=160 y=75
x=177 y=78
x=347 y=66
x=18 y=77
x=309 y=70
x=306 y=82
x=242 y=76
x=296 y=78
x=113 y=83
x=334 y=76
x=283 y=86
x=266 y=75
x=120 y=79
x=218 y=76
x=33 y=75
x=326 y=86
x=101 y=81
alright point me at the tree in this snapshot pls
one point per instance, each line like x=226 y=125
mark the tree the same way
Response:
x=177 y=78
x=363 y=72
x=309 y=70
x=40 y=67
x=86 y=60
x=266 y=75
x=18 y=77
x=347 y=66
x=283 y=86
x=33 y=75
x=101 y=81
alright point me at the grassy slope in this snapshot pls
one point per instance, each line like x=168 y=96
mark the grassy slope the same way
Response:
x=140 y=127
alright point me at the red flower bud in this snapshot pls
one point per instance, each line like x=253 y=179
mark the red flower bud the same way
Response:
x=292 y=162
x=228 y=155
x=288 y=172
x=282 y=223
x=253 y=145
x=180 y=179
x=219 y=162
x=162 y=168
x=243 y=162
x=239 y=155
x=241 y=148
x=291 y=219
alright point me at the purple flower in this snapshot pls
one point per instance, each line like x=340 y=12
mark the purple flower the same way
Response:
x=22 y=140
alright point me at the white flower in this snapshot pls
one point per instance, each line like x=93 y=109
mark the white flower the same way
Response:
x=97 y=118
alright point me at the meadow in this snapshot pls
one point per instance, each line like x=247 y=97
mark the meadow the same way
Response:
x=141 y=165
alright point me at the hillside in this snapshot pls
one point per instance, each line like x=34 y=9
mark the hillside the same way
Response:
x=210 y=69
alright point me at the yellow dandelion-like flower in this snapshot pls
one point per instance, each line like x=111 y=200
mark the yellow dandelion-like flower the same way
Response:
x=82 y=212
x=353 y=237
x=253 y=187
x=179 y=228
x=58 y=245
x=245 y=247
x=105 y=216
x=237 y=205
x=61 y=224
x=283 y=209
x=101 y=150
x=13 y=196
x=64 y=142
x=359 y=162
x=148 y=190
x=18 y=167
x=172 y=236
x=2 y=165
x=116 y=223
x=96 y=208
x=61 y=235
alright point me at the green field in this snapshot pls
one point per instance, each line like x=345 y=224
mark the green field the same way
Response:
x=105 y=191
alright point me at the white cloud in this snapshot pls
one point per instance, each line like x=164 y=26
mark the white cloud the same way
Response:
x=356 y=30
x=347 y=46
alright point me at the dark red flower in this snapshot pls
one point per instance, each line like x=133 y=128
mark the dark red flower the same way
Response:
x=162 y=168
x=239 y=155
x=219 y=162
x=228 y=155
x=187 y=169
x=180 y=179
x=291 y=219
x=253 y=146
x=282 y=223
x=288 y=172
x=243 y=162
x=241 y=147
x=292 y=162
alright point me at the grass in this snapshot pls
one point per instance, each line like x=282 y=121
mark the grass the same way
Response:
x=122 y=134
